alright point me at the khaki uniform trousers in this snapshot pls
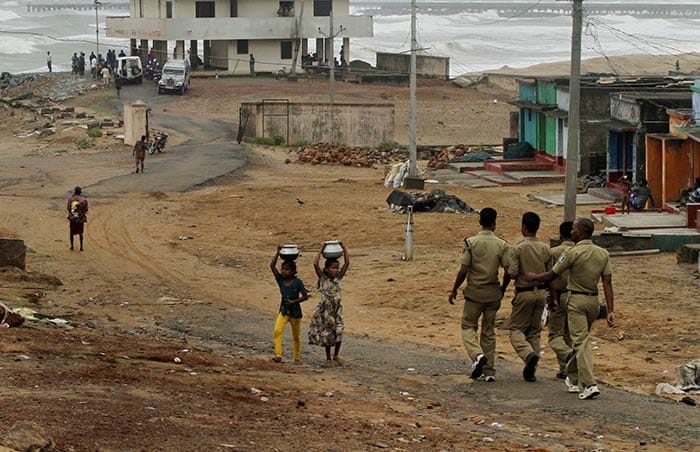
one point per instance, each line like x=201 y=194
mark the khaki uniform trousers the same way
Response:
x=582 y=311
x=558 y=337
x=526 y=322
x=487 y=343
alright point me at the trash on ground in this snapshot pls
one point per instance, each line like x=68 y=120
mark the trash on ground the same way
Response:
x=397 y=173
x=458 y=153
x=434 y=201
x=687 y=380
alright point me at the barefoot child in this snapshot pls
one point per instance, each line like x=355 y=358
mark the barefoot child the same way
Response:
x=327 y=326
x=293 y=293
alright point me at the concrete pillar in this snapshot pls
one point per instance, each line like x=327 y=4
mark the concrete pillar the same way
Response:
x=304 y=46
x=329 y=52
x=143 y=51
x=346 y=50
x=320 y=49
x=133 y=47
x=179 y=51
x=134 y=121
x=193 y=47
x=160 y=51
x=206 y=52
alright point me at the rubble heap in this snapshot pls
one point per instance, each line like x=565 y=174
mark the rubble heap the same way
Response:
x=334 y=154
x=459 y=152
x=434 y=201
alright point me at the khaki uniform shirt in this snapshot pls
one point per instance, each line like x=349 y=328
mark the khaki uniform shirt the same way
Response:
x=586 y=263
x=529 y=255
x=559 y=282
x=484 y=253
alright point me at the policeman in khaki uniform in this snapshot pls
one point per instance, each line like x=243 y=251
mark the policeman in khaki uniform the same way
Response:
x=530 y=255
x=587 y=263
x=558 y=338
x=483 y=255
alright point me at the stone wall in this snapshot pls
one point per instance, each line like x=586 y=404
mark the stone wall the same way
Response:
x=350 y=124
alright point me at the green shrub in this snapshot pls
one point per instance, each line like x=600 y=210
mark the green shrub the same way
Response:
x=94 y=132
x=279 y=139
x=84 y=143
x=266 y=141
x=301 y=143
x=389 y=145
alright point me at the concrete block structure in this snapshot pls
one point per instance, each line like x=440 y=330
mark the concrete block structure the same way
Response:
x=232 y=30
x=135 y=121
x=349 y=124
x=426 y=65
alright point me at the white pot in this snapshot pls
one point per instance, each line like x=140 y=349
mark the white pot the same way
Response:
x=332 y=249
x=289 y=252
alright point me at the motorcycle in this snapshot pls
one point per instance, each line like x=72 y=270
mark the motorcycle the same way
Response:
x=158 y=143
x=152 y=71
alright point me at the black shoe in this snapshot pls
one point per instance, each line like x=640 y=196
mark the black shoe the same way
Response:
x=531 y=366
x=561 y=375
x=478 y=366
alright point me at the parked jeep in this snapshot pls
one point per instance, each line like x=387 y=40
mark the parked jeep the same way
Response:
x=175 y=77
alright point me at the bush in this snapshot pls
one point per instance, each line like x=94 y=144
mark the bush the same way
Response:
x=301 y=143
x=94 y=132
x=84 y=143
x=279 y=139
x=390 y=145
x=266 y=141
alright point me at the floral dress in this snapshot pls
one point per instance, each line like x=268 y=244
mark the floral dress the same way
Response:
x=327 y=325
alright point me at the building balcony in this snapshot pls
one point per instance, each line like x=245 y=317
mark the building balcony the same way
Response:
x=235 y=28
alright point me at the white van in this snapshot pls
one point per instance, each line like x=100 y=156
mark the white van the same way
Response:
x=129 y=69
x=175 y=77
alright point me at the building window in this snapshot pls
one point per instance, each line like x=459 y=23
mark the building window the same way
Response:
x=204 y=9
x=168 y=10
x=286 y=8
x=234 y=8
x=286 y=50
x=242 y=46
x=322 y=8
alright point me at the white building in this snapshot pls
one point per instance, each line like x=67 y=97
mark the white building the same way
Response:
x=231 y=30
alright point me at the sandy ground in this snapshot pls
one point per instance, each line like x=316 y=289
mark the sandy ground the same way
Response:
x=170 y=335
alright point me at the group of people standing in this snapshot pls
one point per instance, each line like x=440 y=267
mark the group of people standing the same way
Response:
x=100 y=67
x=563 y=280
x=327 y=325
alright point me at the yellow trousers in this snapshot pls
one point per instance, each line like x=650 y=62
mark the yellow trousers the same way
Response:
x=280 y=323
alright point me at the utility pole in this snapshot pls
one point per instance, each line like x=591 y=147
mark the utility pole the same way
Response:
x=572 y=149
x=412 y=151
x=331 y=62
x=97 y=28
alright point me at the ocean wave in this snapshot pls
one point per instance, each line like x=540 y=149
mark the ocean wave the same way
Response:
x=6 y=15
x=10 y=45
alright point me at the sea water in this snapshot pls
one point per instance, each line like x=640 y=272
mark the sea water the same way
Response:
x=474 y=42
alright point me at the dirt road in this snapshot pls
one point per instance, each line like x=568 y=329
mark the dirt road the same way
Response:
x=172 y=306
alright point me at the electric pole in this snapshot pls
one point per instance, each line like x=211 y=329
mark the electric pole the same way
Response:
x=97 y=28
x=572 y=148
x=412 y=151
x=331 y=60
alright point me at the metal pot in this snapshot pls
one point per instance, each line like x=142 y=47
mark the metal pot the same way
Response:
x=289 y=252
x=332 y=249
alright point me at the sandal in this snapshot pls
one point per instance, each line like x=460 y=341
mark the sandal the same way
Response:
x=338 y=361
